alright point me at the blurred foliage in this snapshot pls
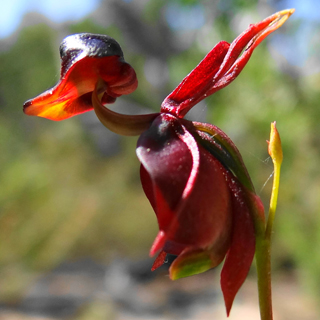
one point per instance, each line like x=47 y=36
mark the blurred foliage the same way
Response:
x=62 y=199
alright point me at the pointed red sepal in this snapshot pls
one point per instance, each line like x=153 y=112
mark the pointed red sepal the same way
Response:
x=221 y=66
x=160 y=260
x=241 y=252
x=197 y=82
x=85 y=59
x=158 y=243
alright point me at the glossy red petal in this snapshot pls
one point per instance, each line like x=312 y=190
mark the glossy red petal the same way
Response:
x=194 y=86
x=240 y=255
x=204 y=214
x=85 y=59
x=167 y=164
x=147 y=186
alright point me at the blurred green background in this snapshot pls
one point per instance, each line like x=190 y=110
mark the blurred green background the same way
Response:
x=71 y=189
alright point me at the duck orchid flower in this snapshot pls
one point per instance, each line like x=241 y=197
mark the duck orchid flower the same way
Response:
x=191 y=172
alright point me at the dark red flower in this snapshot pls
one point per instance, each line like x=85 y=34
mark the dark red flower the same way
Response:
x=205 y=214
x=192 y=173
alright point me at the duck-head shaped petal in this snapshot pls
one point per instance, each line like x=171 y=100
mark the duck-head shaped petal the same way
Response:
x=86 y=59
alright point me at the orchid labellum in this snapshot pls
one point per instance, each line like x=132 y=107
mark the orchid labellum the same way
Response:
x=191 y=172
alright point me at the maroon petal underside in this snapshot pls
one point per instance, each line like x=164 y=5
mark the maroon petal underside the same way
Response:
x=166 y=165
x=240 y=255
x=186 y=188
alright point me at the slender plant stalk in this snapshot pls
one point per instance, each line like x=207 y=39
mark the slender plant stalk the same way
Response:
x=263 y=263
x=263 y=239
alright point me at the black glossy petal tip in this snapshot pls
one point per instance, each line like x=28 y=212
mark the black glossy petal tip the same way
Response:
x=78 y=46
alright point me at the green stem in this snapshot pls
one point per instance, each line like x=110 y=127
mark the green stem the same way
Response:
x=263 y=235
x=263 y=253
x=263 y=263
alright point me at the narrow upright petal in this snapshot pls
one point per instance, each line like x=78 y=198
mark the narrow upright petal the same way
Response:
x=221 y=66
x=194 y=86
